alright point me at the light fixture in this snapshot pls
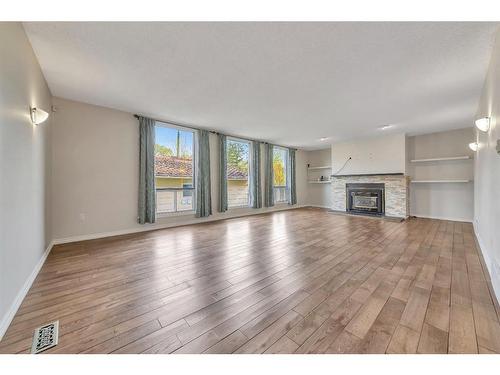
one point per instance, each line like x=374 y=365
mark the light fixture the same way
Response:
x=386 y=127
x=38 y=115
x=322 y=139
x=473 y=146
x=483 y=124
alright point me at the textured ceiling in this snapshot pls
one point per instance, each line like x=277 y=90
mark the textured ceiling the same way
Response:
x=289 y=83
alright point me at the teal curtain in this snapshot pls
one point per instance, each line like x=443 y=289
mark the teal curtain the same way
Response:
x=292 y=197
x=147 y=191
x=222 y=173
x=203 y=193
x=268 y=176
x=255 y=180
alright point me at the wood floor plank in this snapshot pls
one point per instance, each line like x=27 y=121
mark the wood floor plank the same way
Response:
x=229 y=344
x=378 y=337
x=283 y=346
x=403 y=341
x=265 y=339
x=433 y=340
x=462 y=338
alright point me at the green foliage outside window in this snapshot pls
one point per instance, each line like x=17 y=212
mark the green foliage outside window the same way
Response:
x=279 y=169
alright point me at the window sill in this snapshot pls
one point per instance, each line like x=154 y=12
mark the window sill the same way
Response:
x=175 y=214
x=237 y=207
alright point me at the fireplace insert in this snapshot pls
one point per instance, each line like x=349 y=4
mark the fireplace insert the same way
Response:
x=365 y=198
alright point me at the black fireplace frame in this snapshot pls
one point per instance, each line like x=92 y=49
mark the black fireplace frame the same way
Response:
x=374 y=188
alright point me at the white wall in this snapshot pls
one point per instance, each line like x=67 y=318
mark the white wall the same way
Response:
x=487 y=169
x=24 y=165
x=319 y=194
x=384 y=154
x=95 y=174
x=450 y=201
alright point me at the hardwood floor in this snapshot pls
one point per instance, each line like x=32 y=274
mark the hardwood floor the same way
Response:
x=298 y=281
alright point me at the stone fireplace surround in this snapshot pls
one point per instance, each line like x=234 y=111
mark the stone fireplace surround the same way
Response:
x=396 y=191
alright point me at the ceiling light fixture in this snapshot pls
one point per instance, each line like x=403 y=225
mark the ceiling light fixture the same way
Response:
x=483 y=124
x=322 y=139
x=473 y=146
x=38 y=115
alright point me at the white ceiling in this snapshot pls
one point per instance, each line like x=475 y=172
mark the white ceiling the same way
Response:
x=289 y=83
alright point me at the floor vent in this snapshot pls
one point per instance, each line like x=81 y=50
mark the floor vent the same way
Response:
x=45 y=337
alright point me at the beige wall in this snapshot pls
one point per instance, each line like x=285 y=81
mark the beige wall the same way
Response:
x=487 y=168
x=450 y=201
x=384 y=154
x=25 y=165
x=95 y=174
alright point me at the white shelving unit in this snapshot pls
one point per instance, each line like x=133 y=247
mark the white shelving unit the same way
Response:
x=436 y=179
x=441 y=159
x=317 y=168
x=317 y=173
x=439 y=181
x=319 y=181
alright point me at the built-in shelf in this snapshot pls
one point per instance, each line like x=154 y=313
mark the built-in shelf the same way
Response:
x=439 y=181
x=323 y=167
x=319 y=182
x=441 y=159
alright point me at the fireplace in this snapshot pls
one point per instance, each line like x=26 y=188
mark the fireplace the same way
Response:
x=365 y=198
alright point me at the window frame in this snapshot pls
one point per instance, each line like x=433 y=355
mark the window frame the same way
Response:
x=249 y=143
x=181 y=189
x=286 y=186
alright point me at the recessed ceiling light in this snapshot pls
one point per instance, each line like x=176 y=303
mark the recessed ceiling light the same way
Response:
x=386 y=127
x=322 y=139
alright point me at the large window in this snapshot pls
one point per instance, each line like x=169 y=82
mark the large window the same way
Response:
x=174 y=169
x=280 y=168
x=237 y=172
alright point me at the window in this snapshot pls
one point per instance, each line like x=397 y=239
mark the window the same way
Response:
x=174 y=168
x=187 y=192
x=280 y=167
x=237 y=172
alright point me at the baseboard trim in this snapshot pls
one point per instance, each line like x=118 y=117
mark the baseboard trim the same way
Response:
x=153 y=227
x=318 y=206
x=490 y=268
x=7 y=319
x=460 y=219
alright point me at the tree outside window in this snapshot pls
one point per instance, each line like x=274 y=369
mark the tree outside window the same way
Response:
x=280 y=160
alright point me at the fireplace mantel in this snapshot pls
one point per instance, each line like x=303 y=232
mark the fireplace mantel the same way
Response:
x=396 y=191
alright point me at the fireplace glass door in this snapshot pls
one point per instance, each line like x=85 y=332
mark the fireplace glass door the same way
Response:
x=367 y=198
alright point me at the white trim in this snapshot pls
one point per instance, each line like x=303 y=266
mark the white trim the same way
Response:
x=486 y=257
x=151 y=227
x=319 y=206
x=492 y=268
x=461 y=219
x=7 y=318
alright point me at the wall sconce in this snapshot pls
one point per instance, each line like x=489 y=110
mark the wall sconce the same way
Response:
x=473 y=146
x=38 y=115
x=483 y=124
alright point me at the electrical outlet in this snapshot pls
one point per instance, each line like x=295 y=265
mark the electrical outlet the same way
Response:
x=82 y=217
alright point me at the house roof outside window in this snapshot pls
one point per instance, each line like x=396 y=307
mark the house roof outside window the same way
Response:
x=171 y=166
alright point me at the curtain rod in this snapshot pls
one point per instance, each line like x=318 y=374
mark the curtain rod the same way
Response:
x=213 y=131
